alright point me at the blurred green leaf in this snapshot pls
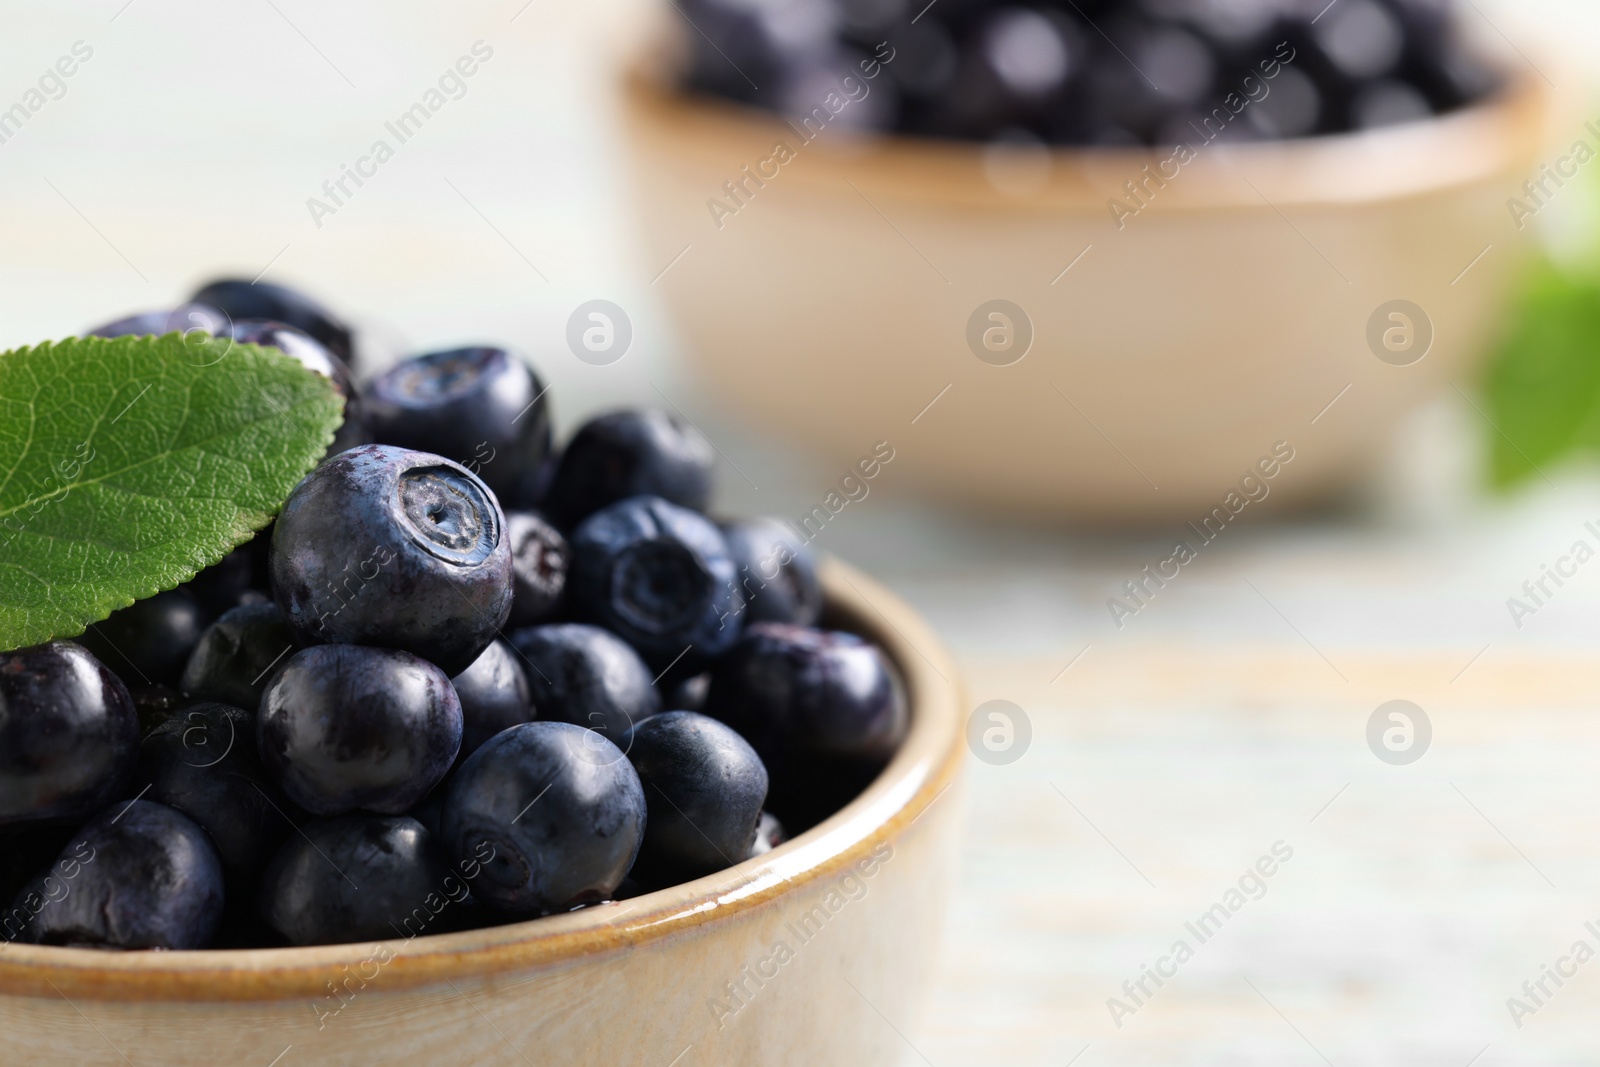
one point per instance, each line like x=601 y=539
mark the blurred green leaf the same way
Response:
x=1543 y=383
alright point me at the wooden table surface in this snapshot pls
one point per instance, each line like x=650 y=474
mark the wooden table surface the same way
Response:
x=1230 y=717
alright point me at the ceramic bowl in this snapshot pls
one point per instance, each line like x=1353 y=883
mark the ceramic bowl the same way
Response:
x=815 y=953
x=1181 y=326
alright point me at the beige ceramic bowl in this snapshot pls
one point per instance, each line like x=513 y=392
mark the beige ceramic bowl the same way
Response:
x=1172 y=347
x=813 y=954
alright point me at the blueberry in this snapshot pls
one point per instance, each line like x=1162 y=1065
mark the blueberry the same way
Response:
x=315 y=357
x=627 y=453
x=219 y=586
x=181 y=319
x=482 y=407
x=553 y=811
x=155 y=704
x=203 y=762
x=138 y=875
x=494 y=696
x=586 y=676
x=147 y=642
x=777 y=573
x=769 y=835
x=703 y=787
x=263 y=300
x=539 y=559
x=235 y=657
x=824 y=709
x=358 y=878
x=344 y=727
x=660 y=576
x=69 y=737
x=689 y=694
x=384 y=546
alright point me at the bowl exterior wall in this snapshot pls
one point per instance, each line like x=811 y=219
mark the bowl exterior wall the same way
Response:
x=1172 y=347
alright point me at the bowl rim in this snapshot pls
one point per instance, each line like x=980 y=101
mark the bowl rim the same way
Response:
x=920 y=773
x=1507 y=128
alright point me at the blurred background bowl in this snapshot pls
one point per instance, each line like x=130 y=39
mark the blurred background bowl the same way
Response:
x=1172 y=345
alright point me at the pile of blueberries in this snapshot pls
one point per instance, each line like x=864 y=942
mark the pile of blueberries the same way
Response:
x=1087 y=72
x=405 y=709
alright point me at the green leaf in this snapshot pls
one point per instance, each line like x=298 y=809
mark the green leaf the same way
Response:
x=1543 y=384
x=128 y=464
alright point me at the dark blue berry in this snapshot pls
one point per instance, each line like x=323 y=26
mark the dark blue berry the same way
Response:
x=155 y=704
x=628 y=453
x=69 y=737
x=689 y=694
x=494 y=696
x=703 y=786
x=777 y=574
x=343 y=727
x=539 y=559
x=586 y=676
x=221 y=585
x=384 y=546
x=824 y=709
x=263 y=300
x=235 y=657
x=315 y=357
x=659 y=576
x=147 y=642
x=138 y=875
x=358 y=878
x=203 y=762
x=554 y=812
x=482 y=407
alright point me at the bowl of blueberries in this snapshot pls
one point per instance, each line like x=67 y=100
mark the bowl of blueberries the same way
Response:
x=488 y=749
x=1102 y=254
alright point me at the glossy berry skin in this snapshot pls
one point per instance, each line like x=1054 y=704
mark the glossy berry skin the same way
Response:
x=203 y=762
x=627 y=453
x=823 y=708
x=263 y=300
x=344 y=727
x=181 y=319
x=355 y=878
x=236 y=656
x=145 y=877
x=315 y=357
x=559 y=808
x=777 y=573
x=689 y=694
x=69 y=737
x=147 y=642
x=586 y=676
x=659 y=576
x=494 y=695
x=155 y=704
x=400 y=549
x=539 y=560
x=482 y=407
x=703 y=787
